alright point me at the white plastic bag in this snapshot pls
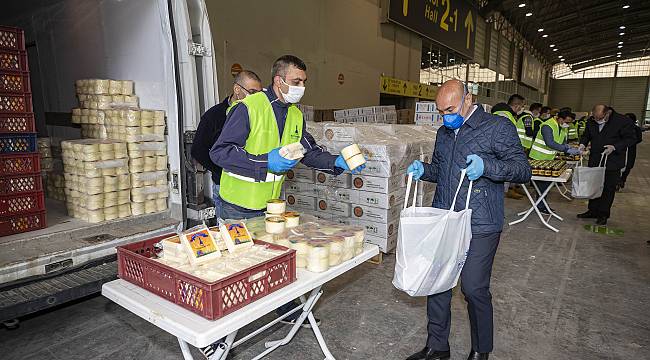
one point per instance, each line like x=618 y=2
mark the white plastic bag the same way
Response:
x=432 y=245
x=588 y=182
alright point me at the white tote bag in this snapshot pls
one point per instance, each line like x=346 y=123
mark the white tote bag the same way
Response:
x=432 y=245
x=587 y=181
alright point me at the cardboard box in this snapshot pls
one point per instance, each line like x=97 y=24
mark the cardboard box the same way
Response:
x=300 y=202
x=345 y=133
x=303 y=188
x=383 y=185
x=385 y=244
x=333 y=207
x=339 y=114
x=369 y=213
x=349 y=196
x=383 y=169
x=341 y=181
x=380 y=230
x=300 y=174
x=425 y=106
x=384 y=201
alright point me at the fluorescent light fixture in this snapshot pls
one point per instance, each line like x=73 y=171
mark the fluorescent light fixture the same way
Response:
x=560 y=57
x=621 y=27
x=621 y=33
x=620 y=46
x=618 y=56
x=620 y=43
x=626 y=6
x=554 y=49
x=522 y=5
x=545 y=35
x=619 y=53
x=552 y=46
x=429 y=52
x=540 y=29
x=529 y=14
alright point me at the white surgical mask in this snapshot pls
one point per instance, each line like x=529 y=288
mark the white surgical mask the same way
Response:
x=546 y=116
x=565 y=125
x=295 y=93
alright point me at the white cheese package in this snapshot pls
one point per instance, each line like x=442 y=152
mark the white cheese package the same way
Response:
x=199 y=245
x=235 y=235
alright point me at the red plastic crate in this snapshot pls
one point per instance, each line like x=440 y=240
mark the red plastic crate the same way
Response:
x=12 y=38
x=20 y=184
x=209 y=300
x=18 y=143
x=14 y=61
x=20 y=164
x=14 y=83
x=22 y=223
x=19 y=204
x=15 y=103
x=17 y=123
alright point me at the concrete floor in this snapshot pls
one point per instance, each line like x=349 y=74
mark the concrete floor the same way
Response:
x=570 y=295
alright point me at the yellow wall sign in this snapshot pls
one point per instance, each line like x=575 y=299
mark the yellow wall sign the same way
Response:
x=389 y=85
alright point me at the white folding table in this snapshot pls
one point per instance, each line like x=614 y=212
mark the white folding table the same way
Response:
x=191 y=329
x=562 y=179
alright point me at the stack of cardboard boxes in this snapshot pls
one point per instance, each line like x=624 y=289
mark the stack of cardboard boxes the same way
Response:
x=374 y=198
x=426 y=113
x=368 y=114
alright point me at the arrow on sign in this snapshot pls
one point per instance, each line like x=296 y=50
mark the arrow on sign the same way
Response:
x=404 y=88
x=469 y=25
x=385 y=86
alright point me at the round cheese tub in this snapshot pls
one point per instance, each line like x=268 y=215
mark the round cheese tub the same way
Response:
x=276 y=206
x=353 y=156
x=292 y=218
x=275 y=224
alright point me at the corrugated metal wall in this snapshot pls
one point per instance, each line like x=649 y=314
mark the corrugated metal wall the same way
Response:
x=481 y=41
x=504 y=58
x=494 y=45
x=625 y=94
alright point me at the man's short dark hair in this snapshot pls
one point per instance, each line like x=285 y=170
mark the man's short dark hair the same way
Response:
x=631 y=116
x=566 y=109
x=245 y=74
x=535 y=106
x=514 y=97
x=566 y=113
x=281 y=65
x=545 y=109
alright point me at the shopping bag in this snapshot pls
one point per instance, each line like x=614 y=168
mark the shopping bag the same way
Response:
x=587 y=181
x=432 y=245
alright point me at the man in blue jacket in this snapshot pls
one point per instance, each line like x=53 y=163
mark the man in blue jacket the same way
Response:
x=491 y=151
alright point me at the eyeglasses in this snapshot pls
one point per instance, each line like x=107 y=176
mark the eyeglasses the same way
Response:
x=249 y=91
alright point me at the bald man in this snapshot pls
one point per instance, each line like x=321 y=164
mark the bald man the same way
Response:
x=490 y=150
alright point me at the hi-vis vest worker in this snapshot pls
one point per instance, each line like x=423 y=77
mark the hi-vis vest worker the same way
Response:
x=263 y=137
x=573 y=131
x=539 y=150
x=526 y=141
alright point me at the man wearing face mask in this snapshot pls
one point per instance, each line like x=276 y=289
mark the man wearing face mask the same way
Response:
x=209 y=129
x=552 y=138
x=544 y=114
x=528 y=119
x=512 y=111
x=610 y=134
x=489 y=148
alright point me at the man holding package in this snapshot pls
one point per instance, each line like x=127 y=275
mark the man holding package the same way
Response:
x=491 y=151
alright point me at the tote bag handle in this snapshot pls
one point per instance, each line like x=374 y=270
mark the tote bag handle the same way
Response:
x=601 y=160
x=460 y=184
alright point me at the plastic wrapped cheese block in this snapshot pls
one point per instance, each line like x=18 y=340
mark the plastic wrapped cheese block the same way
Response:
x=114 y=87
x=302 y=249
x=137 y=208
x=110 y=199
x=149 y=178
x=336 y=251
x=146 y=118
x=95 y=216
x=127 y=87
x=124 y=210
x=161 y=204
x=150 y=164
x=199 y=245
x=150 y=206
x=136 y=165
x=110 y=213
x=236 y=235
x=99 y=86
x=161 y=163
x=318 y=257
x=123 y=197
x=159 y=117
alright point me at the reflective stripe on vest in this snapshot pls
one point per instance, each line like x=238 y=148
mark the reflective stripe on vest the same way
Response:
x=262 y=138
x=539 y=150
x=526 y=141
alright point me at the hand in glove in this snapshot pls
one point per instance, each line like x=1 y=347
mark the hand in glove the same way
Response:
x=340 y=163
x=417 y=169
x=278 y=164
x=582 y=147
x=475 y=167
x=609 y=149
x=573 y=151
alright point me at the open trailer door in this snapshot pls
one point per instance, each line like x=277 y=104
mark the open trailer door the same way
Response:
x=165 y=47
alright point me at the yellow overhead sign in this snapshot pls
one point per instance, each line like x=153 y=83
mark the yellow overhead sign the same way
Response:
x=389 y=85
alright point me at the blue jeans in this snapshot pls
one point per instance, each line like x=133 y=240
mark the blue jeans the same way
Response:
x=229 y=211
x=216 y=199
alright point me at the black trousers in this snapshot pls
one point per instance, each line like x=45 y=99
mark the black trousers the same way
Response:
x=631 y=159
x=601 y=206
x=475 y=285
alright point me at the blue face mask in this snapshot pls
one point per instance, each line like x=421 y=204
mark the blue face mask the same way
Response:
x=455 y=120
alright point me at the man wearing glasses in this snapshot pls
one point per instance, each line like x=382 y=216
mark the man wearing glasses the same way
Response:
x=213 y=121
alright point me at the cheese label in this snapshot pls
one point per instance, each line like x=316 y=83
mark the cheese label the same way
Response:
x=238 y=233
x=201 y=243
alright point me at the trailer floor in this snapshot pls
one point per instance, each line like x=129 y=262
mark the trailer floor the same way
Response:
x=570 y=295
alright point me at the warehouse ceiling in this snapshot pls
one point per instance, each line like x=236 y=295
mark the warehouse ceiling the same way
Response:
x=583 y=32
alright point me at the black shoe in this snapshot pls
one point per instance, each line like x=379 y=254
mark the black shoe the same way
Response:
x=601 y=221
x=305 y=325
x=587 y=215
x=209 y=350
x=621 y=185
x=473 y=355
x=430 y=354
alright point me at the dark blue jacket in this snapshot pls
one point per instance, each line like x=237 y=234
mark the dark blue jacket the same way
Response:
x=497 y=143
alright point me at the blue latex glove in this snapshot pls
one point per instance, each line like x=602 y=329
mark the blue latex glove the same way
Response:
x=475 y=167
x=573 y=151
x=278 y=164
x=340 y=163
x=417 y=169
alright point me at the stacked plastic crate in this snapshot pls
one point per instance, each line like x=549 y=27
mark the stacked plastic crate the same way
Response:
x=22 y=202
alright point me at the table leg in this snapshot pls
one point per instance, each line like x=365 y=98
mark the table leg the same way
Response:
x=224 y=347
x=185 y=349
x=539 y=214
x=525 y=213
x=563 y=192
x=543 y=199
x=319 y=337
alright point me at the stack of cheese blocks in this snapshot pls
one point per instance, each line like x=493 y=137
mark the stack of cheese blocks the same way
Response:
x=374 y=198
x=97 y=180
x=385 y=114
x=142 y=130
